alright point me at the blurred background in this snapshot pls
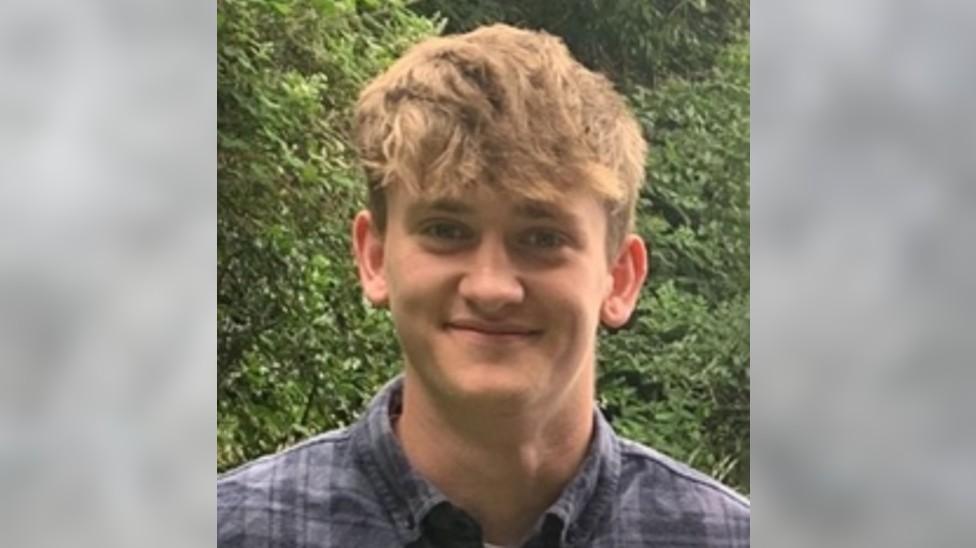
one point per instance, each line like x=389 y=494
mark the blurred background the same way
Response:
x=107 y=250
x=864 y=128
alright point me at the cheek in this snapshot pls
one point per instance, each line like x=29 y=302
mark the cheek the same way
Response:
x=417 y=284
x=402 y=263
x=575 y=302
x=412 y=304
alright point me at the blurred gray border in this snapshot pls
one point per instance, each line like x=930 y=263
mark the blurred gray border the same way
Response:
x=107 y=273
x=863 y=282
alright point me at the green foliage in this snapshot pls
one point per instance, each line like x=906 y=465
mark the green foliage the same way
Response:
x=631 y=41
x=678 y=379
x=698 y=193
x=293 y=332
x=298 y=350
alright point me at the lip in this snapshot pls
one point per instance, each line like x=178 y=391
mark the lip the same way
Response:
x=490 y=329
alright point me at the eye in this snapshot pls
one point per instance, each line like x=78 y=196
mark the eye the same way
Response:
x=446 y=231
x=544 y=239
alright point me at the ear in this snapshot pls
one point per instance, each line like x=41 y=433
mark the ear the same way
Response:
x=368 y=247
x=628 y=272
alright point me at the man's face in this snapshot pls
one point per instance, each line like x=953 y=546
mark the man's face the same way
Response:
x=493 y=298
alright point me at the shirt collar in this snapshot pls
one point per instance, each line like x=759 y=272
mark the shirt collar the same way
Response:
x=408 y=497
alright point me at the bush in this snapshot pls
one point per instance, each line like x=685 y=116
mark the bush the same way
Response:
x=632 y=41
x=298 y=351
x=678 y=379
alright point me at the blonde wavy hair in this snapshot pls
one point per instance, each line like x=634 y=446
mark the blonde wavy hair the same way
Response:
x=503 y=107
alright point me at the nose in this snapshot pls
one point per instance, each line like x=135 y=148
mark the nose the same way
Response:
x=491 y=281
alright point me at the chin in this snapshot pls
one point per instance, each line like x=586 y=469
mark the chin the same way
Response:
x=492 y=381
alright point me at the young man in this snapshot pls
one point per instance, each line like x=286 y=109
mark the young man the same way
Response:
x=503 y=179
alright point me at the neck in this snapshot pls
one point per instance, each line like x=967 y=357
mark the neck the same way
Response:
x=503 y=464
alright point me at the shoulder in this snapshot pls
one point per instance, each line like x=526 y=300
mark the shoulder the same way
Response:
x=660 y=494
x=292 y=468
x=281 y=498
x=642 y=466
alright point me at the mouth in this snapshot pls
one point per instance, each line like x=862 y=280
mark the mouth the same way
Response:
x=493 y=332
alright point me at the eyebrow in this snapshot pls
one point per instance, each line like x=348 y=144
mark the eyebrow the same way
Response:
x=542 y=210
x=534 y=210
x=444 y=205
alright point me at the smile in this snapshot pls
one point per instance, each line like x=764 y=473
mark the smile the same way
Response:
x=492 y=333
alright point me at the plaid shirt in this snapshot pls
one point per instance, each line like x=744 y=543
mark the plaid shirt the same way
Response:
x=353 y=488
